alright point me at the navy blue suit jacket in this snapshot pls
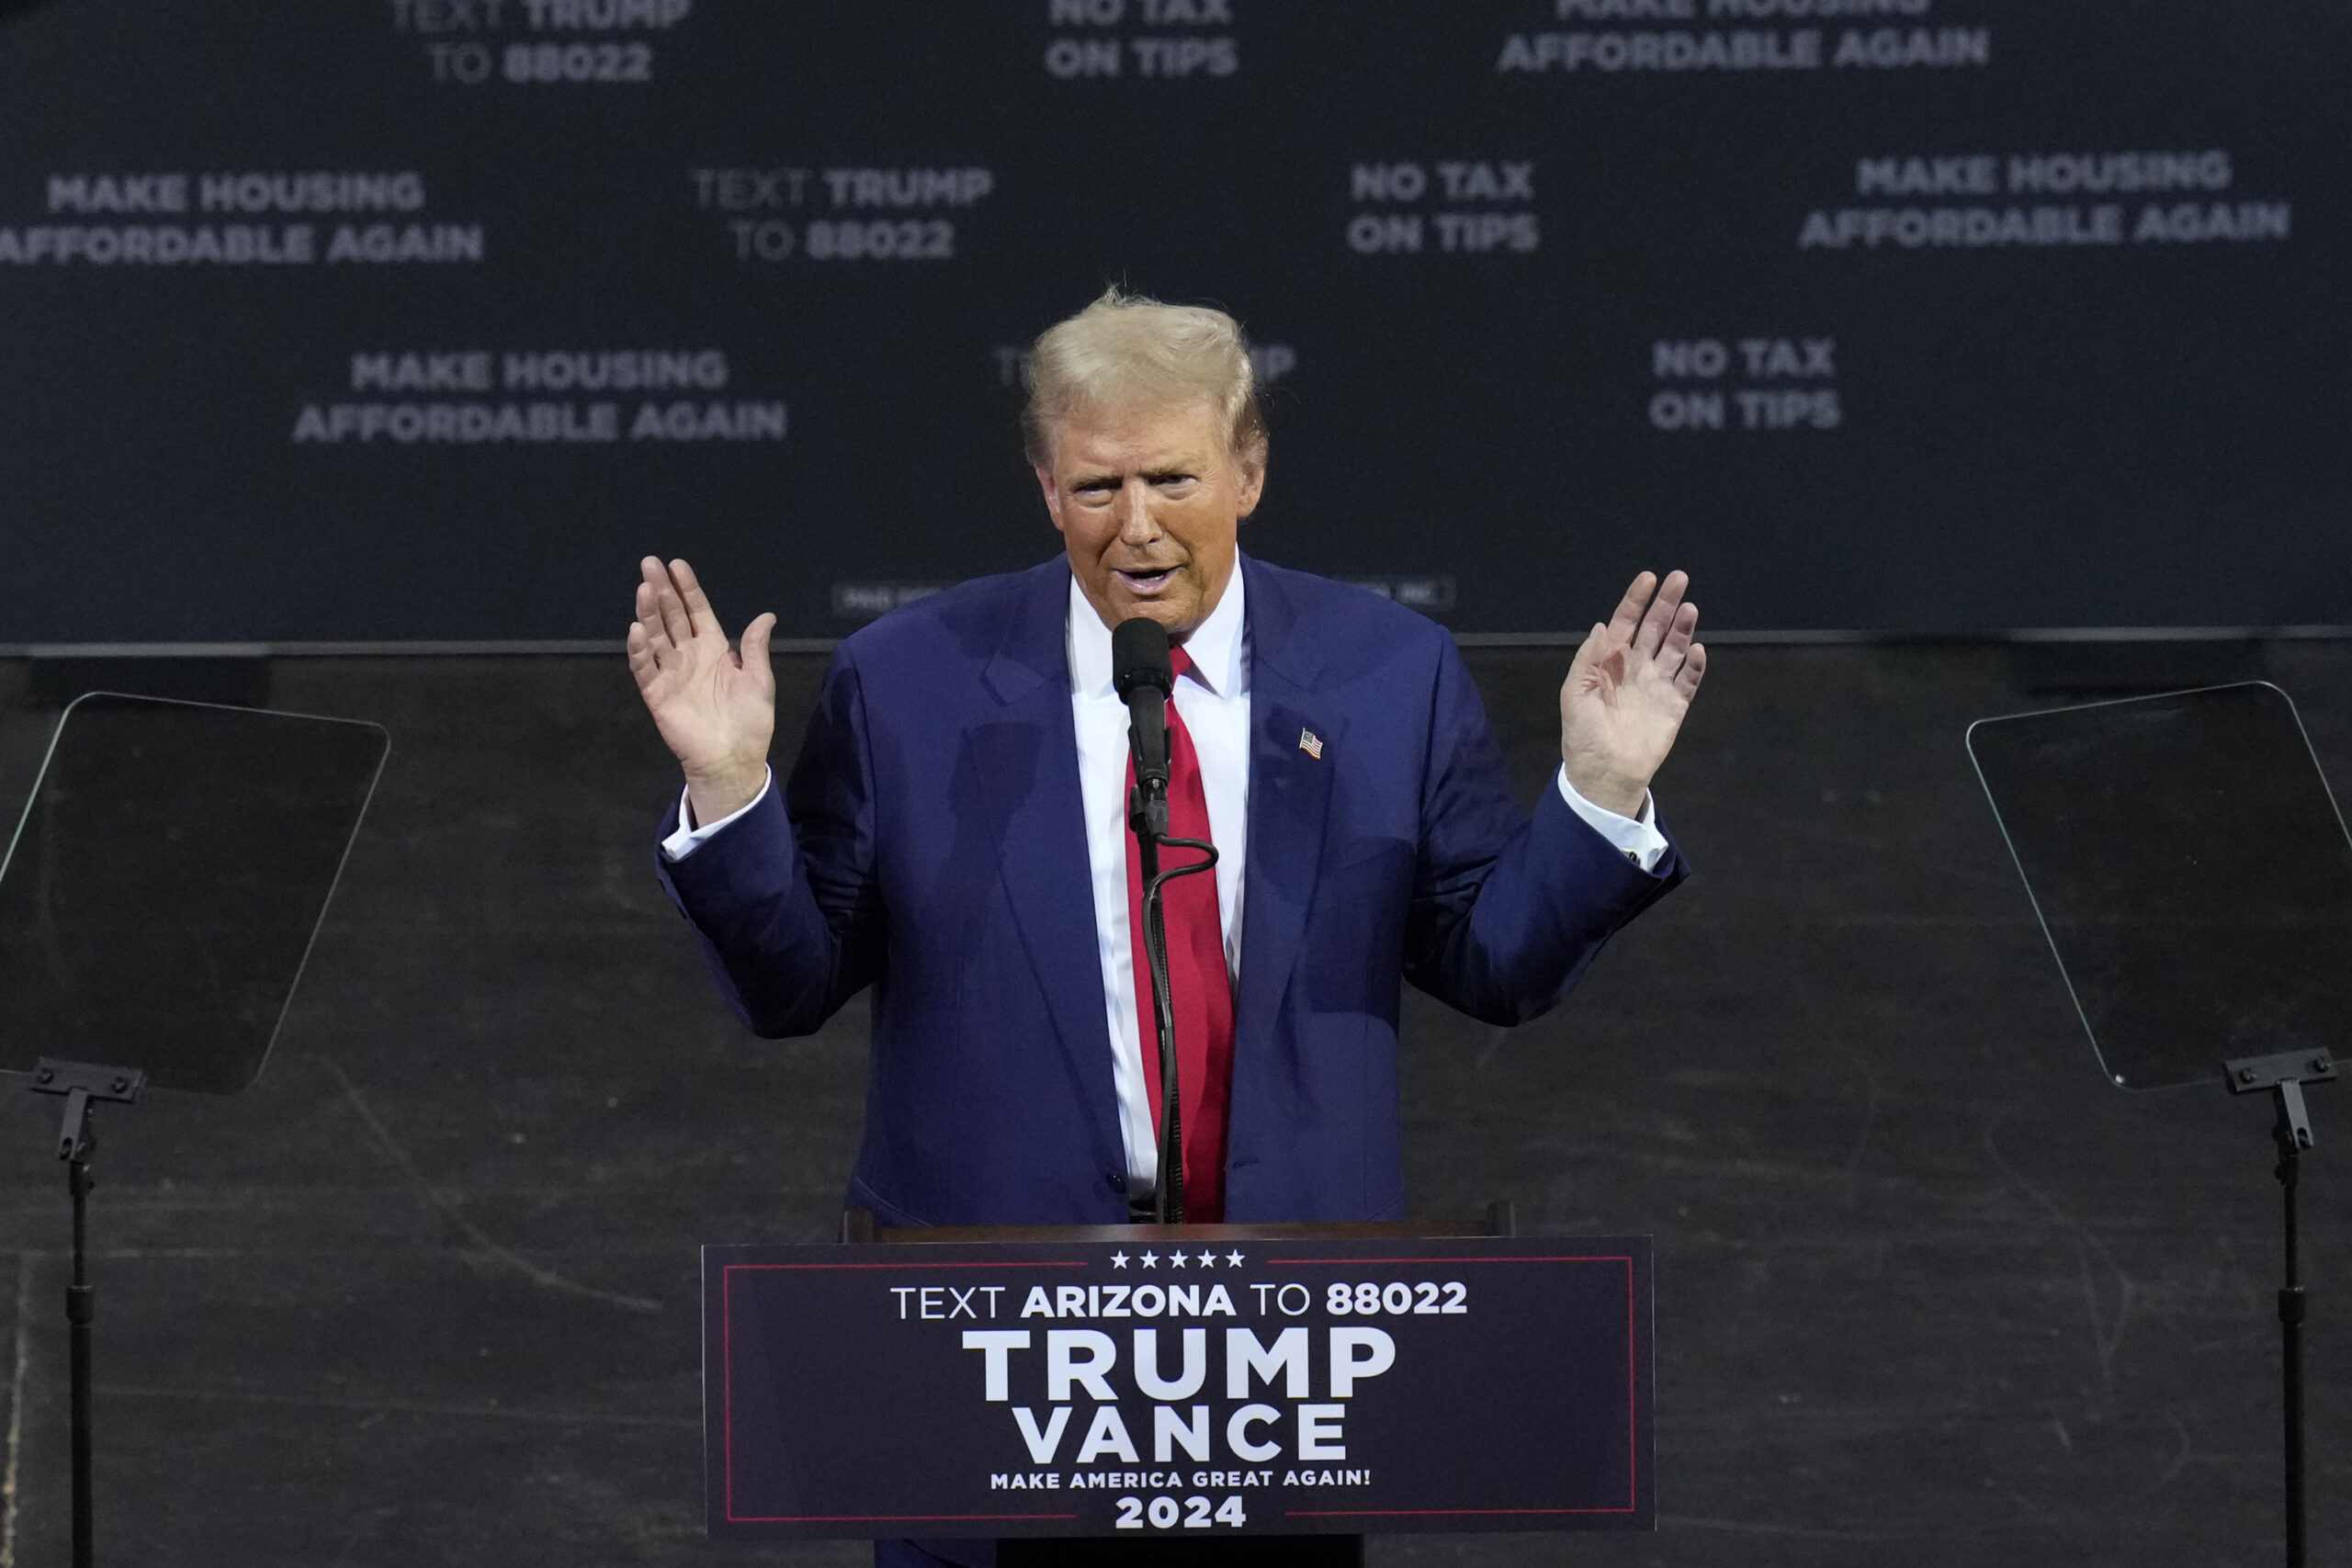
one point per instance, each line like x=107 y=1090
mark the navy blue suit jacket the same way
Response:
x=930 y=844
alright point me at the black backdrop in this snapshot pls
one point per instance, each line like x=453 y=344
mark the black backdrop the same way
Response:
x=1877 y=314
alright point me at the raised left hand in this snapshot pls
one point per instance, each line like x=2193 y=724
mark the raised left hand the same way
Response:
x=1627 y=690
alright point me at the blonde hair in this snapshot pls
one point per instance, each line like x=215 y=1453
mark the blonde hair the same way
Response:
x=1125 y=350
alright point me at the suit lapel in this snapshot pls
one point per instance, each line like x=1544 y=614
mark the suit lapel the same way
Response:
x=1026 y=754
x=1290 y=793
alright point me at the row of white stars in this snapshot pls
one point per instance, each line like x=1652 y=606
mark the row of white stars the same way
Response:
x=1176 y=1260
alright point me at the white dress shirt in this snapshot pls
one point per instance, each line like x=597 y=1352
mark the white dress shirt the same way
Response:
x=1213 y=702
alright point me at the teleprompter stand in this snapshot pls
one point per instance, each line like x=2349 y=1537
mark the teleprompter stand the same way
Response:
x=157 y=903
x=81 y=1085
x=2194 y=876
x=2284 y=1076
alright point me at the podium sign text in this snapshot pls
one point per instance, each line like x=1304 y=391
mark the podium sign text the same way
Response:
x=1192 y=1390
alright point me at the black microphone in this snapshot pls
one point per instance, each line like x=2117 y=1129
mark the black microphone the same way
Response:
x=1142 y=676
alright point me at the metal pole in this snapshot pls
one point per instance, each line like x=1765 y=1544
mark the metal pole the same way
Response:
x=80 y=1306
x=2290 y=1334
x=82 y=1085
x=2284 y=1072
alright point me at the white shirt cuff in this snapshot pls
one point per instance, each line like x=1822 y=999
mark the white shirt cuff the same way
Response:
x=687 y=840
x=1636 y=838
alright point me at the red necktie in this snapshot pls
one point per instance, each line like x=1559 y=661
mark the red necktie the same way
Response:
x=1198 y=982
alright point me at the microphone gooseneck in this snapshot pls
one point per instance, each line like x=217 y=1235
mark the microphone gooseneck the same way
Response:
x=1144 y=677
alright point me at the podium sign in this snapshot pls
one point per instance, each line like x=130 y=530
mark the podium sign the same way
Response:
x=1190 y=1387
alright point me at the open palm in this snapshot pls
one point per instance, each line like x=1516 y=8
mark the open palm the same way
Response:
x=713 y=706
x=1627 y=691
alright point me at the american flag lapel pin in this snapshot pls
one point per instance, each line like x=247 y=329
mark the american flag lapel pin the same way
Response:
x=1311 y=743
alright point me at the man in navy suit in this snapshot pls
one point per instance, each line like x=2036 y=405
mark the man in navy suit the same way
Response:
x=954 y=834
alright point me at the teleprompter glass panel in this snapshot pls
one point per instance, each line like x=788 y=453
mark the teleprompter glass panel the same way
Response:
x=163 y=885
x=2191 y=869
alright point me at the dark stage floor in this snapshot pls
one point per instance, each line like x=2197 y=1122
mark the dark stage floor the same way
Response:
x=1929 y=1291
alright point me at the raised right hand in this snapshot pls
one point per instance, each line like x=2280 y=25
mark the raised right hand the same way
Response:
x=715 y=707
x=1628 y=691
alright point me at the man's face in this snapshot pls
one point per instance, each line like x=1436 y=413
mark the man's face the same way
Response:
x=1149 y=502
